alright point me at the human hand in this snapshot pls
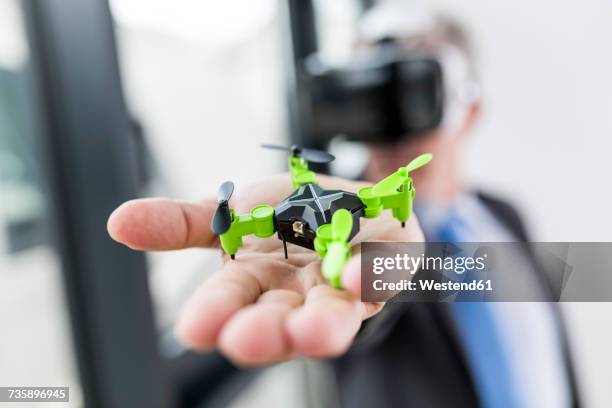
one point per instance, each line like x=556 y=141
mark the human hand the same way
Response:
x=260 y=308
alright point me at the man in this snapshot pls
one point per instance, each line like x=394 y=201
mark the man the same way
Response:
x=261 y=309
x=463 y=354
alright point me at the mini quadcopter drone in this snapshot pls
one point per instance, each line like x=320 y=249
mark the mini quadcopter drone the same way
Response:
x=315 y=218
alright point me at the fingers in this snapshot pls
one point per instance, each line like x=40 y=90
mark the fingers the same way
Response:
x=351 y=281
x=327 y=323
x=222 y=314
x=278 y=327
x=384 y=228
x=161 y=224
x=213 y=304
x=257 y=334
x=156 y=224
x=351 y=277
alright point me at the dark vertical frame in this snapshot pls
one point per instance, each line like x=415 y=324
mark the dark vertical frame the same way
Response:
x=366 y=4
x=300 y=41
x=300 y=30
x=91 y=170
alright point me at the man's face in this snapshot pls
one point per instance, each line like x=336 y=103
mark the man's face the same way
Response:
x=385 y=159
x=459 y=115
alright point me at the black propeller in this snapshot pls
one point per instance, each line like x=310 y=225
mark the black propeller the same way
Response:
x=222 y=220
x=311 y=155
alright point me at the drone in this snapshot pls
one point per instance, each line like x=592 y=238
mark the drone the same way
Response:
x=315 y=218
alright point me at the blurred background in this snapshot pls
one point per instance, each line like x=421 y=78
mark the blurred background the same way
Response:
x=163 y=91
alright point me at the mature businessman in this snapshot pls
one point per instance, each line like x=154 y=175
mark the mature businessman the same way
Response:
x=260 y=309
x=462 y=354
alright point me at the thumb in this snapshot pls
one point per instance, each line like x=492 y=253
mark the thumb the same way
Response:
x=351 y=277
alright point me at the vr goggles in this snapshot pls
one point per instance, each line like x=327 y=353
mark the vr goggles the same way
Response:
x=382 y=95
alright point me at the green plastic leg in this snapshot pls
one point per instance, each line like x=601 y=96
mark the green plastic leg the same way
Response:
x=259 y=222
x=400 y=202
x=300 y=174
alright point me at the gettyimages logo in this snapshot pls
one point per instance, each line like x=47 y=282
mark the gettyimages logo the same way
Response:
x=457 y=264
x=494 y=271
x=455 y=271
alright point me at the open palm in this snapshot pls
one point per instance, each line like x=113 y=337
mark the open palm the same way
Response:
x=259 y=308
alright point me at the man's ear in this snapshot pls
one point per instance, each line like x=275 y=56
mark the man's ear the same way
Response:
x=471 y=119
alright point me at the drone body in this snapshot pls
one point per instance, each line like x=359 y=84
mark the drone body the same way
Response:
x=315 y=218
x=309 y=207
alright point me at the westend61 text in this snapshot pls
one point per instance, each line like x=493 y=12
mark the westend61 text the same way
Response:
x=432 y=285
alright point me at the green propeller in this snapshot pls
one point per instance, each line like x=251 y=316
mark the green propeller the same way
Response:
x=338 y=250
x=341 y=225
x=391 y=183
x=419 y=161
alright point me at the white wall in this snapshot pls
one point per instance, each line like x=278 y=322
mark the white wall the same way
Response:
x=546 y=134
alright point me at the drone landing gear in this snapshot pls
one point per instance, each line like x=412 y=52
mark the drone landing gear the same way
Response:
x=284 y=245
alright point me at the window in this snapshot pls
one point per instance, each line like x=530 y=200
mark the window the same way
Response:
x=35 y=345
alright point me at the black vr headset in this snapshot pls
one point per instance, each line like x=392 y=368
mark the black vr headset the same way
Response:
x=379 y=97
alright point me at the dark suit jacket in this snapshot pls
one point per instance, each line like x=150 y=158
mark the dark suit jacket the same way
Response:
x=409 y=356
